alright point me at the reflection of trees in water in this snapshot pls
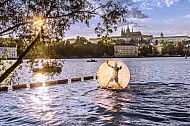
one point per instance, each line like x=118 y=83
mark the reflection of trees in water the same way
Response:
x=27 y=70
x=111 y=105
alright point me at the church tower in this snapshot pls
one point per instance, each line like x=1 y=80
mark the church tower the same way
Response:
x=132 y=31
x=121 y=31
x=128 y=31
x=123 y=34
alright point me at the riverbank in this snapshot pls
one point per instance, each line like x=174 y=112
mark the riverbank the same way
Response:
x=74 y=57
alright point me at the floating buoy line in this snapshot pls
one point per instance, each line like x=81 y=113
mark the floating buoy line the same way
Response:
x=46 y=83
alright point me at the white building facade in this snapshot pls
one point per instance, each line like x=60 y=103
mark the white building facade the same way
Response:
x=11 y=52
x=174 y=39
x=126 y=51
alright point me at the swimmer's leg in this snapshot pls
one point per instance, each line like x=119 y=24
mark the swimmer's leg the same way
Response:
x=119 y=85
x=111 y=80
x=108 y=84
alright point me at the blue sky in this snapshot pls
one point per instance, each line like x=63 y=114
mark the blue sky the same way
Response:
x=172 y=17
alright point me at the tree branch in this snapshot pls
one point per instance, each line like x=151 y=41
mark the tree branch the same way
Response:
x=50 y=9
x=11 y=28
x=3 y=3
x=19 y=60
x=73 y=12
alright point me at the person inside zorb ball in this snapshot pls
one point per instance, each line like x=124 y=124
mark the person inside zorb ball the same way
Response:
x=113 y=75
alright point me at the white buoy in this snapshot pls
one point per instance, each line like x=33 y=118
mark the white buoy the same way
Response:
x=113 y=75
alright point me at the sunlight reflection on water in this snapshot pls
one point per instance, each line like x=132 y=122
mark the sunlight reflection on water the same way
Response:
x=39 y=77
x=158 y=95
x=41 y=102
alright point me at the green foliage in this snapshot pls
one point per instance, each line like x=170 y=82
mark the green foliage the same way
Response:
x=50 y=68
x=172 y=49
x=107 y=41
x=4 y=63
x=80 y=40
x=119 y=41
x=148 y=50
x=144 y=50
x=81 y=49
x=19 y=18
x=155 y=51
x=179 y=48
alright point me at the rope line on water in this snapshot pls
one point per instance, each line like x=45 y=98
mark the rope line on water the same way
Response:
x=47 y=83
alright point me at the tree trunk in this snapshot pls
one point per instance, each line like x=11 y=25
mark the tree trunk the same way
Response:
x=19 y=60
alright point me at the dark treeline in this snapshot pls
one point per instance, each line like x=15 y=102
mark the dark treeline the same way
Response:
x=81 y=48
x=167 y=48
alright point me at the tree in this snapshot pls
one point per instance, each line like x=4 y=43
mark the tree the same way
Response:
x=146 y=49
x=161 y=35
x=68 y=47
x=179 y=48
x=156 y=42
x=80 y=40
x=53 y=17
x=150 y=49
x=168 y=48
x=79 y=50
x=155 y=51
x=119 y=41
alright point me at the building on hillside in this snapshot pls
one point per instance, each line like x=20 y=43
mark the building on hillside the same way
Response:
x=174 y=39
x=127 y=35
x=11 y=52
x=137 y=36
x=126 y=50
x=130 y=34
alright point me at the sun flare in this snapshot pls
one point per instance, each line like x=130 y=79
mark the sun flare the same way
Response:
x=38 y=21
x=39 y=77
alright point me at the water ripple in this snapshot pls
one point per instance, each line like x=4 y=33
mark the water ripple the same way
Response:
x=156 y=97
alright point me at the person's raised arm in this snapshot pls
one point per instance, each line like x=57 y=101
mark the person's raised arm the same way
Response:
x=109 y=65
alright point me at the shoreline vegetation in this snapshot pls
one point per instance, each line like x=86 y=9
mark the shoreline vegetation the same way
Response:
x=75 y=57
x=82 y=48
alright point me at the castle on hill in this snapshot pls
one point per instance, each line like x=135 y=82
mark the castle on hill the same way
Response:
x=128 y=33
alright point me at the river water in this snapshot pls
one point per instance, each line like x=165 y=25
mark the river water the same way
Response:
x=159 y=94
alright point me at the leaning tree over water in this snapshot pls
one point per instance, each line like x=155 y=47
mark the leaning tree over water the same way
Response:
x=31 y=19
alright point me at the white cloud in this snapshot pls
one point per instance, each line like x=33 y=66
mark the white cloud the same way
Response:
x=136 y=25
x=131 y=23
x=170 y=2
x=128 y=2
x=170 y=21
x=159 y=4
x=135 y=13
x=188 y=15
x=145 y=5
